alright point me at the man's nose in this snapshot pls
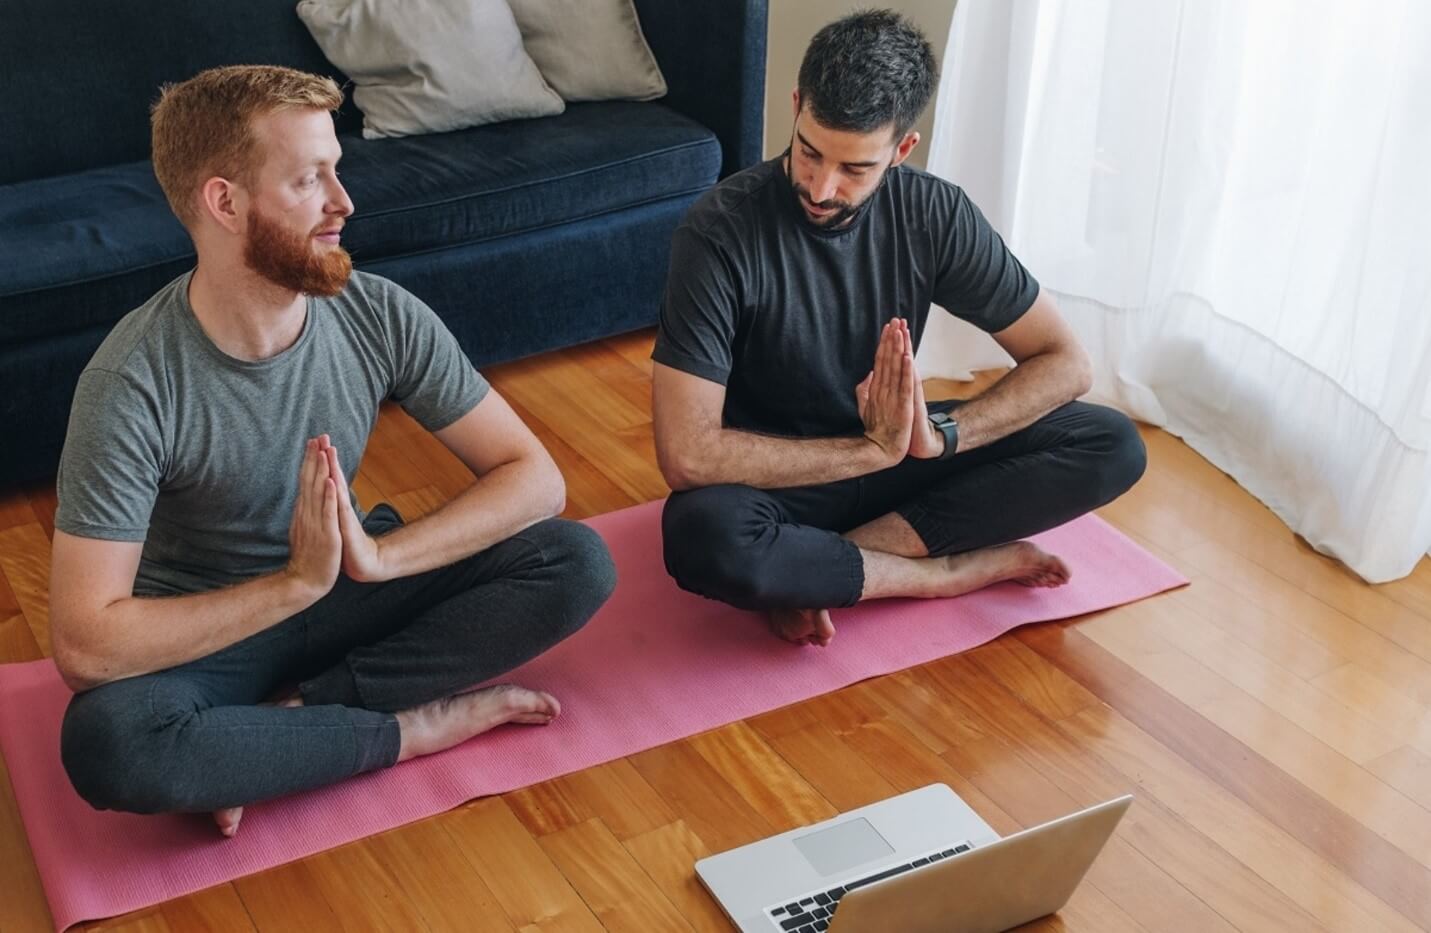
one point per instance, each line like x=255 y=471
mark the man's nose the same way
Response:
x=824 y=186
x=338 y=200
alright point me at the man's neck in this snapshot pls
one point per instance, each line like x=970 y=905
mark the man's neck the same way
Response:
x=244 y=314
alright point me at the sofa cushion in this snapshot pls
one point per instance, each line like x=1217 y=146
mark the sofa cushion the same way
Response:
x=84 y=249
x=429 y=66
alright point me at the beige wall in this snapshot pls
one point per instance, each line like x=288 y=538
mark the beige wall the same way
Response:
x=793 y=22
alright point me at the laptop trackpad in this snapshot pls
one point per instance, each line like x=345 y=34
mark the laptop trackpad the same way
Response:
x=842 y=847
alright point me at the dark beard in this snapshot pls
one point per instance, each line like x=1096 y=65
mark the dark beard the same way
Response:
x=837 y=219
x=288 y=260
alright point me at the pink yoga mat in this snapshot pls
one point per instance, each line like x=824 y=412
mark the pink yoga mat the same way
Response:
x=626 y=683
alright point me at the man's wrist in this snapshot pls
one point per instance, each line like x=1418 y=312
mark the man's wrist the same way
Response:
x=296 y=593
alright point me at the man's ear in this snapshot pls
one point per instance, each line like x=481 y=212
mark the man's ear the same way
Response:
x=905 y=147
x=795 y=96
x=218 y=199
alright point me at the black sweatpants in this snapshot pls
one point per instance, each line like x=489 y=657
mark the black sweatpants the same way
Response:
x=193 y=738
x=782 y=548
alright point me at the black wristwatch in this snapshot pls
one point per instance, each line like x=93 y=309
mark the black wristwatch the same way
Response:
x=950 y=429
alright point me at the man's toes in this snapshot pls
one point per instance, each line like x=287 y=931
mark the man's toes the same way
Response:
x=228 y=820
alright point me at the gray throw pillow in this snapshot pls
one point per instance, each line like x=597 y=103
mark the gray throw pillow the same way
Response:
x=590 y=49
x=427 y=66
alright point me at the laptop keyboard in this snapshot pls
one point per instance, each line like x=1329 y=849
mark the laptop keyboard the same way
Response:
x=812 y=913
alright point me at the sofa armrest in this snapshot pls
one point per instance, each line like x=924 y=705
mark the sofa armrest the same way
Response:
x=712 y=53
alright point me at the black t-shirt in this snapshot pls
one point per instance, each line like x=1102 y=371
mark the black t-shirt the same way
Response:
x=787 y=315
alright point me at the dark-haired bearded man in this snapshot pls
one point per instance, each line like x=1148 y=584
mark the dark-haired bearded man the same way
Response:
x=808 y=470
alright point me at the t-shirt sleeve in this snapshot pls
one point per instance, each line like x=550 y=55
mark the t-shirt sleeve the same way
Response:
x=979 y=279
x=112 y=462
x=700 y=309
x=434 y=381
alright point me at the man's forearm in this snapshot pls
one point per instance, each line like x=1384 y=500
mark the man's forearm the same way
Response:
x=141 y=635
x=731 y=456
x=501 y=503
x=1031 y=390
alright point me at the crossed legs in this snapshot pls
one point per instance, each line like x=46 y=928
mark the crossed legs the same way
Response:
x=923 y=528
x=380 y=671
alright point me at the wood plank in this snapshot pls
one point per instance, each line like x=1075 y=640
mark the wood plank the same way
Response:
x=529 y=887
x=287 y=898
x=1274 y=636
x=1363 y=856
x=436 y=878
x=15 y=510
x=1357 y=736
x=17 y=642
x=1408 y=770
x=1191 y=828
x=614 y=886
x=619 y=796
x=216 y=909
x=25 y=562
x=1031 y=678
x=1356 y=642
x=588 y=490
x=705 y=800
x=1391 y=710
x=832 y=767
x=669 y=854
x=1298 y=753
x=1143 y=890
x=636 y=347
x=1313 y=887
x=762 y=778
x=416 y=503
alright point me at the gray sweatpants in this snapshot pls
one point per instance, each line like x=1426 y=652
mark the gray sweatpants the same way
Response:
x=193 y=738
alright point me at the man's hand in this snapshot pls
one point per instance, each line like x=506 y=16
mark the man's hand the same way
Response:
x=925 y=441
x=886 y=396
x=315 y=546
x=362 y=555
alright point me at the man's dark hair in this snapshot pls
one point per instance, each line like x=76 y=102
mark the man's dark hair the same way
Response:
x=866 y=71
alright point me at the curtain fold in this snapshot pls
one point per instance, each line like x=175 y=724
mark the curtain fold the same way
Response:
x=1232 y=204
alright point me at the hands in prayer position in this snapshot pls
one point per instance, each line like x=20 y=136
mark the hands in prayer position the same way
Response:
x=891 y=400
x=325 y=535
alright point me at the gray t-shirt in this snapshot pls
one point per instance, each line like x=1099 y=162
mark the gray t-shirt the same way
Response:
x=174 y=443
x=787 y=315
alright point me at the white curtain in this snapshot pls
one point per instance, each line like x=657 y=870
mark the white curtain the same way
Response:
x=1231 y=202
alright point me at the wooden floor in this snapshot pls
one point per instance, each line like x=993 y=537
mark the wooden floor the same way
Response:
x=1273 y=719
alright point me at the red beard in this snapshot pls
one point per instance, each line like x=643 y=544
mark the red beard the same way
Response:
x=290 y=260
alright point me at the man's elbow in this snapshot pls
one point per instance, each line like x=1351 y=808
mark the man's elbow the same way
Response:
x=1081 y=376
x=677 y=469
x=75 y=667
x=553 y=486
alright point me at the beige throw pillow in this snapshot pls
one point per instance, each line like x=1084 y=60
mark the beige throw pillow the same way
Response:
x=427 y=66
x=590 y=49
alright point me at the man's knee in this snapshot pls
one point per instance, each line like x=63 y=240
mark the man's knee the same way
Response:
x=580 y=564
x=1126 y=456
x=710 y=539
x=109 y=750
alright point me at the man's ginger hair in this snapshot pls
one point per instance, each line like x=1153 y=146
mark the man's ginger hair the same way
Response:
x=203 y=127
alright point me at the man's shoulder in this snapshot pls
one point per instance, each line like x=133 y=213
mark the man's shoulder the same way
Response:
x=735 y=203
x=142 y=340
x=915 y=187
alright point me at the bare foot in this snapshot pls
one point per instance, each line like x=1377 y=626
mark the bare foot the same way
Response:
x=802 y=626
x=1022 y=562
x=228 y=819
x=450 y=721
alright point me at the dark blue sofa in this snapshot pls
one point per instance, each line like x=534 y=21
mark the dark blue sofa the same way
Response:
x=524 y=236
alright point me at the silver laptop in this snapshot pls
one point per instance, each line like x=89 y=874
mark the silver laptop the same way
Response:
x=922 y=862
